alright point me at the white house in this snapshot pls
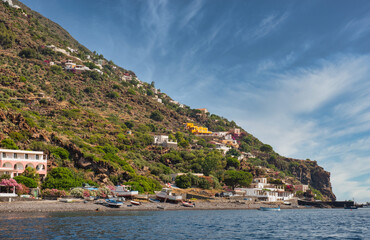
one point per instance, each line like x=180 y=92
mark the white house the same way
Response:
x=222 y=147
x=164 y=141
x=261 y=190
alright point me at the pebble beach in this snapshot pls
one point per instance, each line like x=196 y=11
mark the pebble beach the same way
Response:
x=80 y=205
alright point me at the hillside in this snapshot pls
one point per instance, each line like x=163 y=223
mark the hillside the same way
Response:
x=99 y=119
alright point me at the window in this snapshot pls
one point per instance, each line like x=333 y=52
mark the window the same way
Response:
x=26 y=156
x=37 y=157
x=15 y=155
x=4 y=155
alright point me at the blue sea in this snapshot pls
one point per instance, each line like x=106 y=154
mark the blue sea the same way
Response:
x=197 y=224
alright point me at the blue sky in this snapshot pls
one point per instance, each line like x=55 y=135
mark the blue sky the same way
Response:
x=293 y=73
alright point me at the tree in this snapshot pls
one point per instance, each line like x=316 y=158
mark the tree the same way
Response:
x=61 y=178
x=156 y=116
x=233 y=152
x=28 y=182
x=31 y=173
x=235 y=178
x=183 y=181
x=211 y=162
x=232 y=162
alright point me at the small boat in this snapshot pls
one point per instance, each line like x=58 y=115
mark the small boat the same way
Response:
x=135 y=203
x=160 y=207
x=166 y=195
x=125 y=191
x=350 y=207
x=269 y=209
x=188 y=204
x=113 y=203
x=153 y=200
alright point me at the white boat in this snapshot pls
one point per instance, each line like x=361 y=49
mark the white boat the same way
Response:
x=113 y=203
x=270 y=209
x=188 y=204
x=166 y=195
x=135 y=203
x=125 y=191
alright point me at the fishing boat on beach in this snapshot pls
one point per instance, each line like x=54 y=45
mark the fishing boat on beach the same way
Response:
x=113 y=203
x=125 y=191
x=135 y=203
x=188 y=204
x=166 y=195
x=269 y=209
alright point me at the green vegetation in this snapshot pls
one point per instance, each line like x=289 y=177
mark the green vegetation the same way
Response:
x=62 y=178
x=8 y=143
x=28 y=182
x=237 y=178
x=7 y=37
x=156 y=116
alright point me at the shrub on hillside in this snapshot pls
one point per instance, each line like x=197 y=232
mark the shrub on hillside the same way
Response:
x=144 y=184
x=28 y=182
x=8 y=144
x=56 y=69
x=53 y=193
x=28 y=53
x=62 y=178
x=77 y=192
x=7 y=37
x=266 y=148
x=156 y=116
x=183 y=181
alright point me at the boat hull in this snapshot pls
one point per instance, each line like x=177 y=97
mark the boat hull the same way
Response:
x=269 y=209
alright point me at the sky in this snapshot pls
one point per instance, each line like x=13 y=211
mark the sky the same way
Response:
x=295 y=74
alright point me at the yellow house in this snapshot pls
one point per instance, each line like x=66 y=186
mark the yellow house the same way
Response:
x=196 y=129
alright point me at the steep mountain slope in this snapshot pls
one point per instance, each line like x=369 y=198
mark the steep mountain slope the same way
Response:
x=100 y=119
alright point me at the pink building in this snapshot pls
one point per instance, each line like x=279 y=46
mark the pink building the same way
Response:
x=301 y=187
x=14 y=162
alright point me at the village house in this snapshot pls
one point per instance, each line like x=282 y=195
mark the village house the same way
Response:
x=56 y=49
x=301 y=187
x=69 y=65
x=14 y=162
x=203 y=110
x=163 y=140
x=126 y=77
x=72 y=50
x=177 y=103
x=197 y=130
x=222 y=147
x=235 y=131
x=264 y=191
x=219 y=134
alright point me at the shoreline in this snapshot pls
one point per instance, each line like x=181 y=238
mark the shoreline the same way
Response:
x=79 y=205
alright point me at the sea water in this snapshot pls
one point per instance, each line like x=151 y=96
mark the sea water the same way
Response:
x=197 y=224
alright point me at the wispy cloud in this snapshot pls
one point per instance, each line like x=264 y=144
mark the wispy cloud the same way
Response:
x=300 y=113
x=191 y=12
x=357 y=27
x=266 y=26
x=271 y=64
